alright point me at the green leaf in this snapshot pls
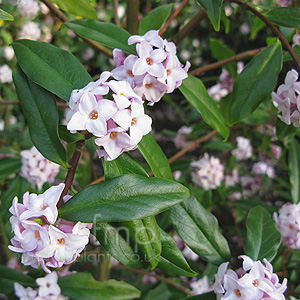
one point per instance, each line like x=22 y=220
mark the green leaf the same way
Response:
x=155 y=19
x=155 y=157
x=221 y=51
x=9 y=166
x=69 y=137
x=213 y=8
x=256 y=27
x=9 y=276
x=287 y=55
x=255 y=83
x=107 y=34
x=56 y=70
x=82 y=286
x=124 y=164
x=39 y=108
x=247 y=205
x=5 y=16
x=263 y=239
x=195 y=92
x=199 y=229
x=124 y=198
x=284 y=16
x=17 y=187
x=79 y=8
x=172 y=260
x=283 y=130
x=206 y=296
x=294 y=170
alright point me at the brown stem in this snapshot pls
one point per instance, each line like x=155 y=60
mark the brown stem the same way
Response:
x=172 y=17
x=116 y=16
x=226 y=61
x=132 y=13
x=60 y=15
x=275 y=30
x=71 y=172
x=189 y=27
x=166 y=280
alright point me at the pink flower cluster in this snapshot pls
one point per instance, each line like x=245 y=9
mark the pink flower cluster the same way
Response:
x=244 y=149
x=287 y=99
x=48 y=289
x=155 y=71
x=36 y=168
x=260 y=283
x=288 y=224
x=209 y=172
x=261 y=167
x=41 y=237
x=118 y=124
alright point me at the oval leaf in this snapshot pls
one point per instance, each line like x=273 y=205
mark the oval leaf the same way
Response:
x=199 y=229
x=9 y=166
x=155 y=19
x=172 y=260
x=82 y=286
x=263 y=239
x=80 y=8
x=39 y=108
x=107 y=34
x=155 y=157
x=284 y=16
x=56 y=70
x=195 y=92
x=294 y=170
x=213 y=8
x=255 y=83
x=5 y=16
x=124 y=198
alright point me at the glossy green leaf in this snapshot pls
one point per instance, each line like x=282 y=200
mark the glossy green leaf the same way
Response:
x=172 y=260
x=107 y=34
x=9 y=166
x=284 y=16
x=255 y=83
x=199 y=229
x=17 y=187
x=39 y=108
x=221 y=51
x=263 y=239
x=56 y=70
x=82 y=286
x=206 y=296
x=5 y=16
x=283 y=130
x=287 y=55
x=124 y=164
x=69 y=137
x=294 y=170
x=247 y=205
x=155 y=157
x=213 y=8
x=79 y=8
x=155 y=19
x=9 y=276
x=161 y=292
x=124 y=198
x=195 y=92
x=256 y=26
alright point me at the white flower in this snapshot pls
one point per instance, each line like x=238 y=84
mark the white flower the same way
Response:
x=9 y=52
x=201 y=286
x=30 y=31
x=28 y=8
x=244 y=148
x=48 y=285
x=262 y=167
x=24 y=293
x=5 y=74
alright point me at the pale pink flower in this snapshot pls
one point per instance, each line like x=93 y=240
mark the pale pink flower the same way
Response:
x=48 y=285
x=24 y=293
x=276 y=151
x=5 y=74
x=244 y=148
x=28 y=8
x=262 y=167
x=181 y=139
x=189 y=253
x=285 y=3
x=152 y=37
x=233 y=179
x=201 y=286
x=30 y=31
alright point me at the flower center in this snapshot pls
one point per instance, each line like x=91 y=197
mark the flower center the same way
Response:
x=133 y=121
x=113 y=134
x=130 y=73
x=44 y=206
x=94 y=115
x=60 y=241
x=37 y=235
x=149 y=61
x=238 y=293
x=255 y=282
x=122 y=94
x=168 y=72
x=148 y=85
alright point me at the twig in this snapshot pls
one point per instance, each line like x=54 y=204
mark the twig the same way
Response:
x=172 y=17
x=116 y=16
x=189 y=27
x=275 y=30
x=221 y=63
x=158 y=277
x=133 y=16
x=60 y=15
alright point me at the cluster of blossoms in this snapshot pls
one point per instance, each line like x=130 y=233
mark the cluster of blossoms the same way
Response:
x=40 y=236
x=48 y=289
x=244 y=149
x=200 y=286
x=209 y=172
x=31 y=31
x=287 y=99
x=36 y=168
x=261 y=167
x=155 y=71
x=288 y=224
x=26 y=8
x=118 y=124
x=5 y=74
x=181 y=140
x=260 y=283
